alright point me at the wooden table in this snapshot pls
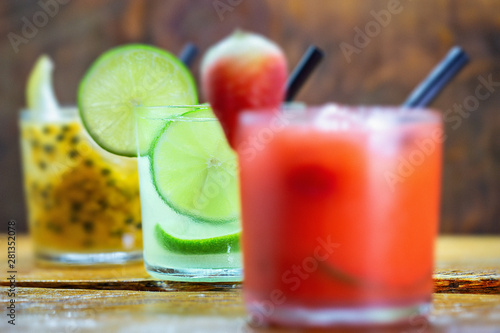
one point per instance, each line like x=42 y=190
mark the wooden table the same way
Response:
x=126 y=299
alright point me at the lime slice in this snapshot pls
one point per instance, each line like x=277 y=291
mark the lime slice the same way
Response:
x=194 y=170
x=221 y=244
x=122 y=78
x=149 y=121
x=40 y=97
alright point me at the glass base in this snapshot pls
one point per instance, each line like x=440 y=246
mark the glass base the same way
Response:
x=103 y=258
x=307 y=317
x=195 y=274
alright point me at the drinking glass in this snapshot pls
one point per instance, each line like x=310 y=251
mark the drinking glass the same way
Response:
x=82 y=202
x=339 y=213
x=189 y=193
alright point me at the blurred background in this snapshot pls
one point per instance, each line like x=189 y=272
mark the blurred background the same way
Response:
x=376 y=53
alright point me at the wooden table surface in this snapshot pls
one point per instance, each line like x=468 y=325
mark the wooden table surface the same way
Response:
x=125 y=299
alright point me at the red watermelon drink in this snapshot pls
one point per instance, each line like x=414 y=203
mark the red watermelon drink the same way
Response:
x=340 y=213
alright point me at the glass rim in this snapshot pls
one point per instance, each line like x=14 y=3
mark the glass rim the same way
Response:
x=158 y=112
x=358 y=113
x=64 y=112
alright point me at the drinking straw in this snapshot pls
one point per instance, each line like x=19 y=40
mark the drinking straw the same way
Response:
x=188 y=54
x=302 y=71
x=440 y=76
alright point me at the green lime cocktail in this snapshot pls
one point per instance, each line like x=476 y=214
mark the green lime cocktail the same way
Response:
x=187 y=172
x=189 y=195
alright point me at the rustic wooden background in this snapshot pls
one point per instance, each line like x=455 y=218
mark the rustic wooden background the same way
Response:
x=383 y=71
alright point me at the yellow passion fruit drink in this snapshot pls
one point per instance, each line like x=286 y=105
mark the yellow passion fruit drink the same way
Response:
x=83 y=202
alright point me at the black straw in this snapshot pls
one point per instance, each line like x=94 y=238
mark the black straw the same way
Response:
x=302 y=71
x=188 y=54
x=440 y=76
